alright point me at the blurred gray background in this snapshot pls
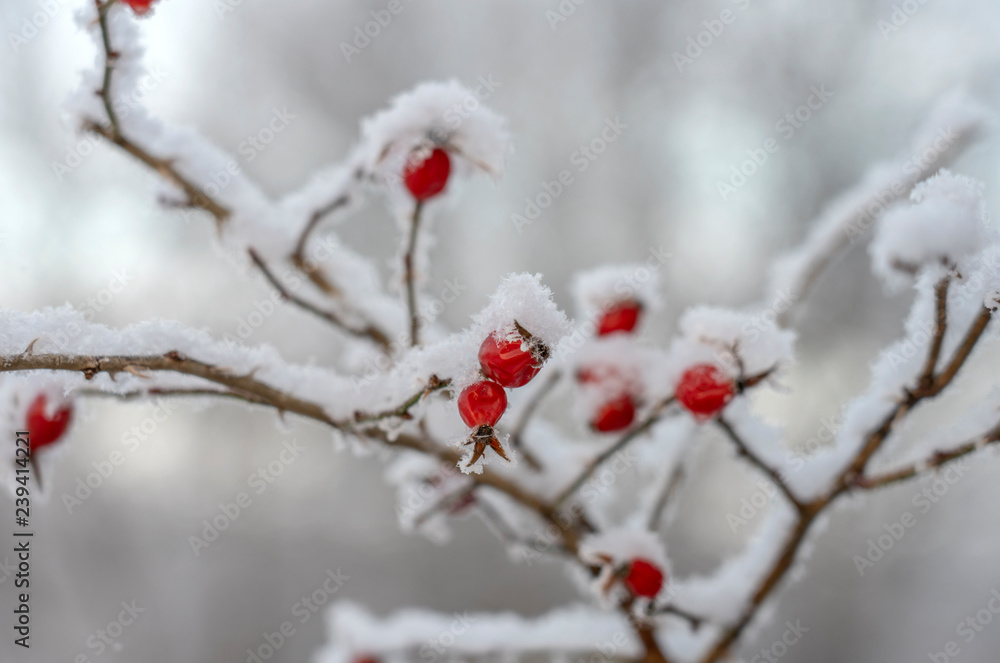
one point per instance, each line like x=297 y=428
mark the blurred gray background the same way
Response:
x=223 y=72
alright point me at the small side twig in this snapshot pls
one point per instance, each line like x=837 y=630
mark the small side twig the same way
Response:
x=370 y=332
x=312 y=272
x=409 y=274
x=744 y=450
x=517 y=434
x=593 y=465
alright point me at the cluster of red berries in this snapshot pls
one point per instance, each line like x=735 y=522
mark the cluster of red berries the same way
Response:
x=618 y=412
x=140 y=7
x=426 y=173
x=505 y=363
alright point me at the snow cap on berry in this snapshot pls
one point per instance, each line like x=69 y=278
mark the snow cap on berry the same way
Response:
x=434 y=114
x=944 y=223
x=597 y=290
x=523 y=298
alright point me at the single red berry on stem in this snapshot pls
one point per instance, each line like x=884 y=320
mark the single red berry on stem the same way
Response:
x=621 y=317
x=482 y=404
x=427 y=177
x=43 y=429
x=511 y=363
x=643 y=578
x=140 y=7
x=705 y=389
x=616 y=414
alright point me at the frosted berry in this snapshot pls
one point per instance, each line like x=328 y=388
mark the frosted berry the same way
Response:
x=614 y=415
x=482 y=404
x=622 y=317
x=427 y=177
x=512 y=362
x=705 y=389
x=140 y=7
x=643 y=578
x=43 y=429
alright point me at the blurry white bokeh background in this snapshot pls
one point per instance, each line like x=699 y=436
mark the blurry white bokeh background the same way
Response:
x=63 y=239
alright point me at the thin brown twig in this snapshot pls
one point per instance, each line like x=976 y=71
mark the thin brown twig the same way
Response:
x=940 y=328
x=599 y=460
x=370 y=332
x=434 y=383
x=936 y=461
x=112 y=132
x=671 y=487
x=409 y=274
x=312 y=272
x=746 y=452
x=517 y=434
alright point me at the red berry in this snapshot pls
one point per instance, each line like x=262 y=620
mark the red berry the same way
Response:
x=43 y=430
x=509 y=362
x=140 y=7
x=704 y=390
x=642 y=578
x=482 y=404
x=622 y=317
x=614 y=415
x=426 y=178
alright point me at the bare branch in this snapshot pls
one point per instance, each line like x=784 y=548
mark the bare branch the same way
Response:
x=592 y=466
x=935 y=462
x=112 y=132
x=370 y=332
x=940 y=328
x=409 y=274
x=746 y=452
x=299 y=255
x=517 y=434
x=671 y=486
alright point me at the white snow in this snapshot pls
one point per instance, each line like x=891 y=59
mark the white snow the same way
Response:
x=945 y=223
